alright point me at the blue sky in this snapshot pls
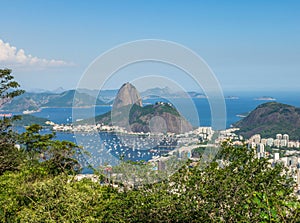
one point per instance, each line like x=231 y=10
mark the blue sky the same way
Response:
x=250 y=45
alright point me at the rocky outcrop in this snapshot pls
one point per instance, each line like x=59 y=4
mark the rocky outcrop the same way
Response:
x=127 y=95
x=128 y=113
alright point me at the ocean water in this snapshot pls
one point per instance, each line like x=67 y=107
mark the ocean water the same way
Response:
x=234 y=107
x=64 y=115
x=108 y=148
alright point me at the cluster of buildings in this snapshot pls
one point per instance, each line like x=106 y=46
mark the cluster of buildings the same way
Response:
x=85 y=128
x=229 y=134
x=201 y=133
x=281 y=141
x=279 y=150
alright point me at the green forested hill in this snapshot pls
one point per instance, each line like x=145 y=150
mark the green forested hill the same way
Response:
x=271 y=118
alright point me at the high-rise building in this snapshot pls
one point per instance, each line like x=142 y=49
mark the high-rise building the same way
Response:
x=260 y=151
x=252 y=145
x=283 y=143
x=291 y=144
x=264 y=141
x=277 y=143
x=276 y=156
x=255 y=138
x=261 y=148
x=286 y=137
x=279 y=136
x=270 y=141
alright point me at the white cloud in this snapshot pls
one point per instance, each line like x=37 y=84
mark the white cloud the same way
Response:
x=11 y=56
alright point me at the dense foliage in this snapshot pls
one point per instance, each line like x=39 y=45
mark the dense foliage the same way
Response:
x=38 y=184
x=244 y=190
x=10 y=156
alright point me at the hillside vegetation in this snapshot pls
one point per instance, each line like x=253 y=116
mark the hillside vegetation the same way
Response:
x=271 y=118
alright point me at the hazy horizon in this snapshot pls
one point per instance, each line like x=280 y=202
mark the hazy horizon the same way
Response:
x=234 y=92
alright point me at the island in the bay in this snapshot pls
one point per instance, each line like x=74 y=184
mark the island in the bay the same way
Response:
x=265 y=98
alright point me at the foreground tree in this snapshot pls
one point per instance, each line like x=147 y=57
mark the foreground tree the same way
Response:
x=54 y=156
x=31 y=147
x=10 y=155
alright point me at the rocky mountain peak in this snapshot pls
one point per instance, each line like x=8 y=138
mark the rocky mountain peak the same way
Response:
x=127 y=95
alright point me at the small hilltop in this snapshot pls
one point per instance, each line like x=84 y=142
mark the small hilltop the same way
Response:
x=271 y=118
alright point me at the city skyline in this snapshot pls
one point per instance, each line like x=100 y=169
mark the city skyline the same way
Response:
x=249 y=46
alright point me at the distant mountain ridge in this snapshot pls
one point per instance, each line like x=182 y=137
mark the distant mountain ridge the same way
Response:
x=166 y=92
x=269 y=119
x=104 y=95
x=35 y=101
x=64 y=98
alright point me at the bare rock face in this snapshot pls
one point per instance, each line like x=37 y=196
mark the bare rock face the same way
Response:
x=127 y=95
